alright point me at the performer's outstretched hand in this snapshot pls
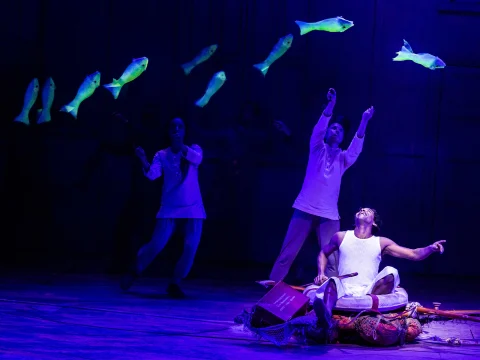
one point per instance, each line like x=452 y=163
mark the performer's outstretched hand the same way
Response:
x=368 y=114
x=332 y=95
x=320 y=279
x=438 y=247
x=140 y=153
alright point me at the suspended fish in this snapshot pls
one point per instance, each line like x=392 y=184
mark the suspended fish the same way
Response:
x=215 y=83
x=203 y=56
x=88 y=87
x=338 y=24
x=133 y=71
x=278 y=50
x=429 y=61
x=48 y=93
x=28 y=101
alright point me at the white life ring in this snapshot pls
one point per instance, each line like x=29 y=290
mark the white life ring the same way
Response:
x=386 y=303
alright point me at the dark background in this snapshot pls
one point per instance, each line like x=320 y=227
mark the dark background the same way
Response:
x=75 y=199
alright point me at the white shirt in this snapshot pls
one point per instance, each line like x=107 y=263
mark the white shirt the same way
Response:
x=326 y=165
x=180 y=199
x=362 y=256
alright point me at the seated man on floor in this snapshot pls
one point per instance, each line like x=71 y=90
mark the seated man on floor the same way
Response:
x=361 y=251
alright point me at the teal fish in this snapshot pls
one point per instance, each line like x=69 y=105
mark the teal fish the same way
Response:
x=28 y=101
x=203 y=56
x=338 y=24
x=133 y=71
x=429 y=61
x=215 y=83
x=48 y=93
x=278 y=50
x=88 y=87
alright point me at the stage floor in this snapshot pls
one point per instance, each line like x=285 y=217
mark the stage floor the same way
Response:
x=88 y=317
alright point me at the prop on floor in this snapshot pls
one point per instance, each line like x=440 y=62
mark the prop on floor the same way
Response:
x=283 y=316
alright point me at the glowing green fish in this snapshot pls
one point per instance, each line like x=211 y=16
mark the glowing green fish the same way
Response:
x=429 y=61
x=133 y=71
x=28 y=101
x=278 y=50
x=203 y=56
x=88 y=87
x=215 y=83
x=338 y=24
x=48 y=93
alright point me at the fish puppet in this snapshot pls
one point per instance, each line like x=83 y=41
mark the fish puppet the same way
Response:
x=48 y=93
x=88 y=87
x=133 y=71
x=203 y=56
x=338 y=24
x=429 y=61
x=29 y=99
x=278 y=50
x=214 y=85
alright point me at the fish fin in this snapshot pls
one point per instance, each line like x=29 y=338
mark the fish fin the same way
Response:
x=402 y=56
x=187 y=68
x=43 y=117
x=114 y=87
x=73 y=110
x=304 y=28
x=406 y=46
x=202 y=101
x=262 y=67
x=22 y=118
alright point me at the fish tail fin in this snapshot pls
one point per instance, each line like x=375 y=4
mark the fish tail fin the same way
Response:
x=22 y=118
x=405 y=52
x=114 y=87
x=304 y=27
x=187 y=67
x=262 y=67
x=406 y=46
x=70 y=108
x=43 y=116
x=202 y=101
x=402 y=56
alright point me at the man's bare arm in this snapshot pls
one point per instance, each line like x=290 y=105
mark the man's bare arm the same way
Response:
x=389 y=247
x=325 y=252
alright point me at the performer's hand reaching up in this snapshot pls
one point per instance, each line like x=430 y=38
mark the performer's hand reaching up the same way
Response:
x=140 y=153
x=368 y=114
x=331 y=95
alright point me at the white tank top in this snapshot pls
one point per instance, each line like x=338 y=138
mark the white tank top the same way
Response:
x=362 y=256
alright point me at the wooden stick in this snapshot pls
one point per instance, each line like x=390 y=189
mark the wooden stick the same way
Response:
x=447 y=314
x=338 y=277
x=464 y=312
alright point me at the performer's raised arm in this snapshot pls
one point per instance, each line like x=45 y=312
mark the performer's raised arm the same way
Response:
x=355 y=148
x=320 y=128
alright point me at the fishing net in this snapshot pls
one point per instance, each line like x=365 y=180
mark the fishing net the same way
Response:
x=301 y=329
x=378 y=329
